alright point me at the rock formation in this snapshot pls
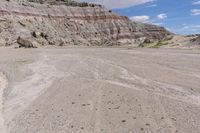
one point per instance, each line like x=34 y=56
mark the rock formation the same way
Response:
x=196 y=40
x=64 y=22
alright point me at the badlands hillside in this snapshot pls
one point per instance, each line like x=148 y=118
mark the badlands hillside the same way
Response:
x=34 y=23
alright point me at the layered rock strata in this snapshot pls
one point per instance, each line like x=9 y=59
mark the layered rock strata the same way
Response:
x=196 y=40
x=63 y=24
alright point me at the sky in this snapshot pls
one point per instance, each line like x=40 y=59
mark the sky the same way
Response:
x=178 y=16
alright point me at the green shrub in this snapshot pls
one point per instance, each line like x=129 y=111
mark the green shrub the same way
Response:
x=159 y=44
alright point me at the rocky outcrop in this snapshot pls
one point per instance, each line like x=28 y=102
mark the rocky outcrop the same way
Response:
x=196 y=40
x=66 y=24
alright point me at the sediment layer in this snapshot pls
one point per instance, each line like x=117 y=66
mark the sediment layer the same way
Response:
x=88 y=25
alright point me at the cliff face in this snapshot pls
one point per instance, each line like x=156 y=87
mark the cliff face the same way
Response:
x=195 y=40
x=69 y=23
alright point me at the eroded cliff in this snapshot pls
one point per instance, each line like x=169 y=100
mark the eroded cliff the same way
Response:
x=71 y=23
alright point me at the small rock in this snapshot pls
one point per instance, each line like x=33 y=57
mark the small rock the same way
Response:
x=36 y=34
x=147 y=124
x=61 y=42
x=123 y=121
x=134 y=117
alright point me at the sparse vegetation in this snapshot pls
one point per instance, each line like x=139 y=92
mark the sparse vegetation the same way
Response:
x=159 y=44
x=169 y=38
x=142 y=45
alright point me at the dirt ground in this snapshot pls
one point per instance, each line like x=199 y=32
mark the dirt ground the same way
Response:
x=99 y=90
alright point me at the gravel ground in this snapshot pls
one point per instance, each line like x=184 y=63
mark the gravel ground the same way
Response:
x=99 y=90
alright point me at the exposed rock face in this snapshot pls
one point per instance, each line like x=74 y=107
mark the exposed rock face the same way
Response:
x=66 y=24
x=196 y=40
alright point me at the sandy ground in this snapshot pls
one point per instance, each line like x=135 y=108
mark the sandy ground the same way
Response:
x=99 y=90
x=3 y=85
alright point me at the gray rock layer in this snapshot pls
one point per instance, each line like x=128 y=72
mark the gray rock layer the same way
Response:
x=72 y=25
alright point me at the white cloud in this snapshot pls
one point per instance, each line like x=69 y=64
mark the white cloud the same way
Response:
x=118 y=4
x=162 y=16
x=159 y=24
x=191 y=27
x=154 y=5
x=196 y=3
x=195 y=11
x=142 y=19
x=169 y=29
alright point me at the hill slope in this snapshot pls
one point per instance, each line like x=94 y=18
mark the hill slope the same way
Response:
x=70 y=23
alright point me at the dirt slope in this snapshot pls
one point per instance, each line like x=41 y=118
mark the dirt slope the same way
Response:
x=62 y=24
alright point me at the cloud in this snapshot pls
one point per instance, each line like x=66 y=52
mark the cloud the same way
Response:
x=195 y=11
x=196 y=3
x=159 y=24
x=113 y=4
x=191 y=27
x=143 y=18
x=169 y=29
x=154 y=5
x=162 y=16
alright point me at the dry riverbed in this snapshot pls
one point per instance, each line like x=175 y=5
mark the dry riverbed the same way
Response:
x=99 y=90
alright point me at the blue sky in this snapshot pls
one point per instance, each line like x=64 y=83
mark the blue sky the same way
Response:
x=179 y=16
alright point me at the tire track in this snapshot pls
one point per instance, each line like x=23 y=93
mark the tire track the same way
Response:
x=129 y=80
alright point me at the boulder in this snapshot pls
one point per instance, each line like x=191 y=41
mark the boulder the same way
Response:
x=26 y=42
